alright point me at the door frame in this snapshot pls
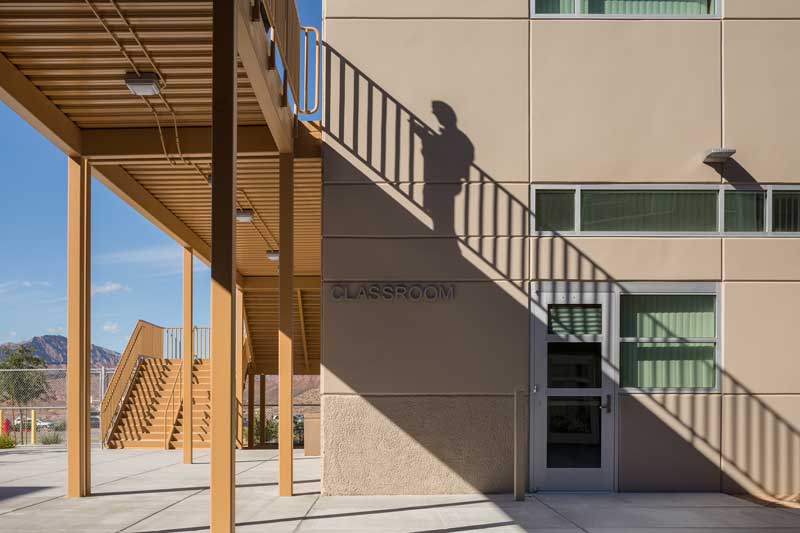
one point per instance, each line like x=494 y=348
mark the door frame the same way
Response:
x=606 y=294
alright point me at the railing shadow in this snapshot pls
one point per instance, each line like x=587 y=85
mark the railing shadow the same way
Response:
x=431 y=175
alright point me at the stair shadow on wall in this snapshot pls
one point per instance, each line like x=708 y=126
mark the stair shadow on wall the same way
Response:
x=405 y=203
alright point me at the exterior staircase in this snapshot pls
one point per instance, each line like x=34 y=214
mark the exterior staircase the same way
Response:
x=154 y=403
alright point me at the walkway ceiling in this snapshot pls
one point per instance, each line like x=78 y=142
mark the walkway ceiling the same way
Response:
x=73 y=91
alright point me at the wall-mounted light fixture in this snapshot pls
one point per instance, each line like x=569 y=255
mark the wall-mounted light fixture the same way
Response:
x=273 y=255
x=719 y=155
x=146 y=84
x=244 y=215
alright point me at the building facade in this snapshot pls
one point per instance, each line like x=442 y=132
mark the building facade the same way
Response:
x=516 y=197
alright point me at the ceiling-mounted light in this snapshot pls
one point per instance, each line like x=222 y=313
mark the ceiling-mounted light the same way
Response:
x=144 y=84
x=719 y=155
x=244 y=215
x=273 y=255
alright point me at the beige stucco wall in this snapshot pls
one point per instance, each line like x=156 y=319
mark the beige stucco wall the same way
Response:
x=762 y=110
x=416 y=444
x=624 y=100
x=761 y=445
x=669 y=442
x=626 y=258
x=761 y=9
x=760 y=336
x=427 y=8
x=405 y=385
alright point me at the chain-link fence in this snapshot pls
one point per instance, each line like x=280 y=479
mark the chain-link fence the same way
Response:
x=33 y=402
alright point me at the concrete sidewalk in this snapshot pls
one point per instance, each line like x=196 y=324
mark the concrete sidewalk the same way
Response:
x=150 y=491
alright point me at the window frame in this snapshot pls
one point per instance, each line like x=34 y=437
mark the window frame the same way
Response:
x=577 y=15
x=720 y=232
x=669 y=289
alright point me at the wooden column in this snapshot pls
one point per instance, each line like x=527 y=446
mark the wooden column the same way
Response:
x=240 y=369
x=285 y=355
x=188 y=356
x=223 y=266
x=262 y=415
x=78 y=326
x=251 y=408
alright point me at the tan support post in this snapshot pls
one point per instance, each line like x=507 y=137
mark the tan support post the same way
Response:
x=33 y=426
x=285 y=355
x=188 y=356
x=79 y=189
x=520 y=443
x=262 y=417
x=239 y=367
x=223 y=266
x=251 y=408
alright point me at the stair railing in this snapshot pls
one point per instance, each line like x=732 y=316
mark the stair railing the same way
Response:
x=145 y=341
x=173 y=408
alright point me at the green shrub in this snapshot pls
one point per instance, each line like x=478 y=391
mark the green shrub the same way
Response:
x=7 y=441
x=51 y=437
x=61 y=425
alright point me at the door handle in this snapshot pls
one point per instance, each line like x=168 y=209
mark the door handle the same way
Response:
x=607 y=405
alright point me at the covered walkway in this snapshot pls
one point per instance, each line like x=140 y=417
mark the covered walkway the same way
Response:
x=135 y=490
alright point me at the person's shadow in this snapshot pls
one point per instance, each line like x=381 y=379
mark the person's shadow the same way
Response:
x=448 y=156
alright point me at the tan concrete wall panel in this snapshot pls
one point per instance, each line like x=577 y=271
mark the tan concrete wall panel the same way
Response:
x=426 y=8
x=761 y=445
x=762 y=110
x=626 y=258
x=416 y=445
x=762 y=9
x=624 y=100
x=476 y=209
x=759 y=325
x=476 y=342
x=669 y=442
x=380 y=98
x=417 y=259
x=762 y=259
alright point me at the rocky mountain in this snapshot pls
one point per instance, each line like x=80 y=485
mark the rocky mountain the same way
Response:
x=53 y=349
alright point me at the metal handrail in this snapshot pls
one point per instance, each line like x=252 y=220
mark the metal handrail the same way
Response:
x=177 y=383
x=124 y=398
x=317 y=62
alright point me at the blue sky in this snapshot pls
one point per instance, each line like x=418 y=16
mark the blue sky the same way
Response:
x=136 y=269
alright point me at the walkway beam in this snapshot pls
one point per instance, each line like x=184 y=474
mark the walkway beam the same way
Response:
x=188 y=356
x=285 y=319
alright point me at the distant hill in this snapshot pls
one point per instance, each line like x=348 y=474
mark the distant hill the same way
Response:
x=53 y=349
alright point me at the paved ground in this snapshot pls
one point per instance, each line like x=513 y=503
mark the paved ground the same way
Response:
x=150 y=491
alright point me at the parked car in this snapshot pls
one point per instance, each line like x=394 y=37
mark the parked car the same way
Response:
x=40 y=424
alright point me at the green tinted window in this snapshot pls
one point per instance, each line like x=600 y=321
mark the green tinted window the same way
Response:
x=744 y=210
x=660 y=365
x=555 y=210
x=555 y=7
x=786 y=211
x=648 y=7
x=667 y=316
x=652 y=211
x=575 y=319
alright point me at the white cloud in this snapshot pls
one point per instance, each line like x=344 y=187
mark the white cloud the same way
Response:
x=8 y=286
x=152 y=255
x=108 y=287
x=111 y=327
x=56 y=330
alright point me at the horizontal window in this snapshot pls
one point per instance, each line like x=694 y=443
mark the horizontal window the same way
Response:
x=567 y=319
x=668 y=341
x=555 y=210
x=626 y=7
x=786 y=211
x=649 y=211
x=668 y=365
x=744 y=211
x=667 y=316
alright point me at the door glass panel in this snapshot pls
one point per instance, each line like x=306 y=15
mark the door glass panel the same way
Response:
x=574 y=365
x=575 y=319
x=574 y=433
